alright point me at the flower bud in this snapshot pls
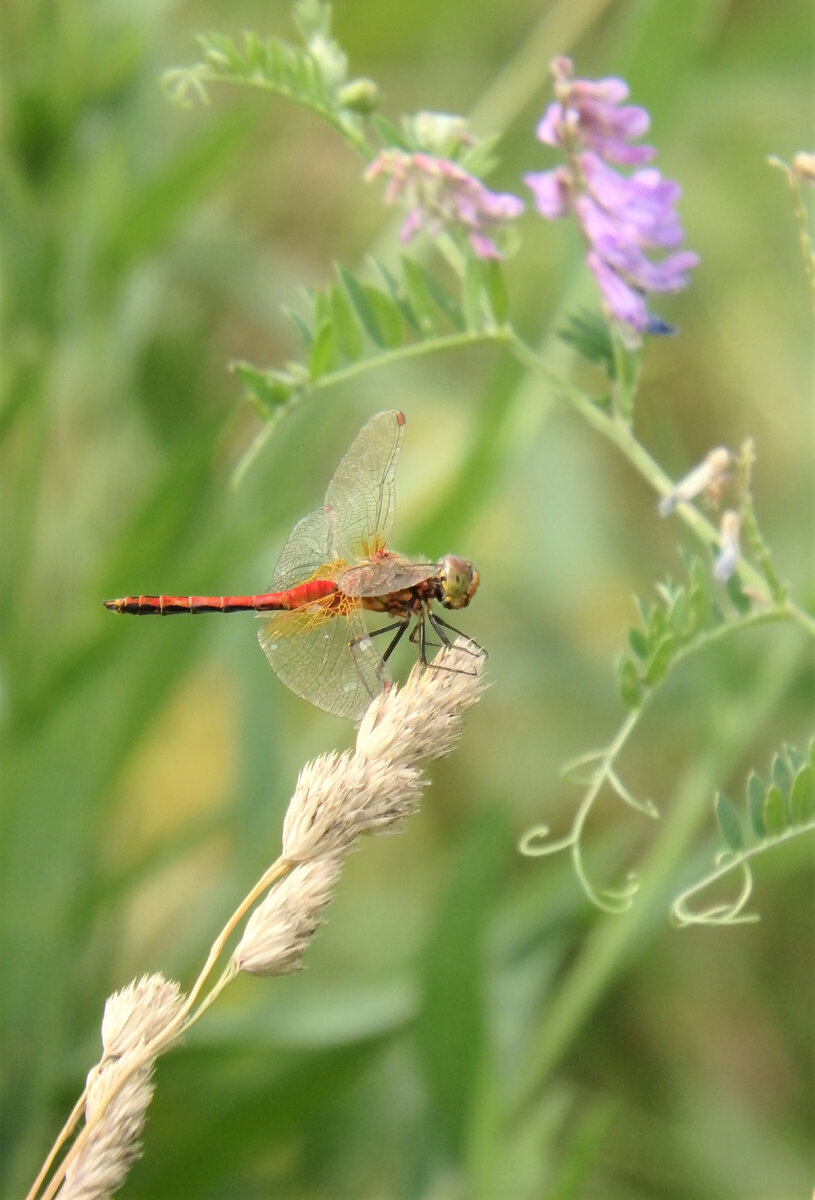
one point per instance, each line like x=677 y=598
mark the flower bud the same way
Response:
x=708 y=477
x=729 y=548
x=360 y=95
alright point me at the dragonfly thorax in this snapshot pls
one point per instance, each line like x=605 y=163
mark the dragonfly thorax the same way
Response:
x=458 y=581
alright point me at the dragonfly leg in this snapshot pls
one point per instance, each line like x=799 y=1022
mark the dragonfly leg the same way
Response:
x=419 y=635
x=440 y=627
x=400 y=626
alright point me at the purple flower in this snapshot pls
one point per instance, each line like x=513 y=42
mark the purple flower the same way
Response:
x=440 y=195
x=621 y=217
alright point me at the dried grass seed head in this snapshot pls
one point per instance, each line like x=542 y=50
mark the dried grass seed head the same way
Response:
x=280 y=929
x=422 y=720
x=340 y=796
x=116 y=1122
x=134 y=1015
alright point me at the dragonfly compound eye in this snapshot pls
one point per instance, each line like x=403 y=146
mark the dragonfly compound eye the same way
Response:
x=459 y=581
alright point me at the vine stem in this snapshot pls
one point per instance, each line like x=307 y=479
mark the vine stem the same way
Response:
x=612 y=944
x=436 y=345
x=602 y=774
x=616 y=431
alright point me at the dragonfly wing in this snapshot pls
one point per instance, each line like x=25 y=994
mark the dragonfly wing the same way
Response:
x=306 y=554
x=328 y=660
x=359 y=500
x=390 y=573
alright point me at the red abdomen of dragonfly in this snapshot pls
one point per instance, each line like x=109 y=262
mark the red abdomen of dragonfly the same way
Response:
x=311 y=592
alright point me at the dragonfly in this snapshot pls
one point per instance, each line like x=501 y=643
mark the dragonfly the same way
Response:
x=335 y=569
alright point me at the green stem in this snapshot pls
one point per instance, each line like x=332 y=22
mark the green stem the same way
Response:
x=761 y=551
x=801 y=221
x=624 y=385
x=452 y=341
x=354 y=139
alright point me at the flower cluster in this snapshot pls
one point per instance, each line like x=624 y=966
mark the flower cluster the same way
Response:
x=621 y=216
x=441 y=196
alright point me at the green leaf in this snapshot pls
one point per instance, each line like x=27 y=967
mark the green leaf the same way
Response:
x=638 y=642
x=323 y=353
x=666 y=590
x=657 y=625
x=756 y=793
x=629 y=683
x=644 y=610
x=388 y=133
x=729 y=823
x=794 y=757
x=446 y=303
x=775 y=812
x=480 y=159
x=398 y=295
x=387 y=314
x=420 y=298
x=781 y=774
x=320 y=307
x=802 y=796
x=678 y=613
x=717 y=616
x=270 y=389
x=472 y=293
x=349 y=334
x=362 y=306
x=660 y=660
x=305 y=334
x=698 y=609
x=736 y=593
x=588 y=334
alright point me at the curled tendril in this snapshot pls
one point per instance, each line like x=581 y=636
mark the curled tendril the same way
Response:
x=611 y=900
x=572 y=771
x=592 y=771
x=531 y=845
x=728 y=913
x=646 y=807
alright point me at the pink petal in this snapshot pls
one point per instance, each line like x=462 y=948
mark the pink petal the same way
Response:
x=551 y=191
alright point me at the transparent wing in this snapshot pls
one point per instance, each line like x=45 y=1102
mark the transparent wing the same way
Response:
x=359 y=500
x=390 y=573
x=311 y=651
x=305 y=554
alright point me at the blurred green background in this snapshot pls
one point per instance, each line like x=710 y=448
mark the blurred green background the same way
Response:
x=468 y=1025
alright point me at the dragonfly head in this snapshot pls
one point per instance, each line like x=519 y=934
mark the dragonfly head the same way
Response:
x=459 y=581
